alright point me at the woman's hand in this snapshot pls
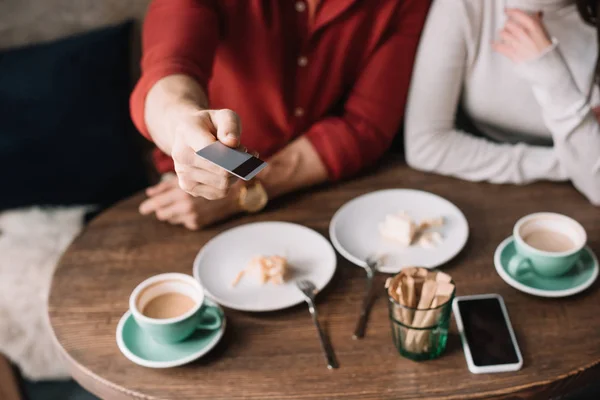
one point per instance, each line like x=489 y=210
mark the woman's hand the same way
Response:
x=523 y=37
x=172 y=204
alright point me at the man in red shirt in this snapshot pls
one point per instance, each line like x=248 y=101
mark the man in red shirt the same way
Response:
x=319 y=88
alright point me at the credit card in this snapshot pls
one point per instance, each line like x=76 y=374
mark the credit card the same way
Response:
x=243 y=165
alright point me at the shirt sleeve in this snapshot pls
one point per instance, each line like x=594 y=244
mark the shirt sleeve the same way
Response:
x=374 y=109
x=431 y=141
x=570 y=118
x=179 y=37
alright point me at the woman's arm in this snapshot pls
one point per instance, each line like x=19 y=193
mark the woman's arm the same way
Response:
x=566 y=109
x=432 y=142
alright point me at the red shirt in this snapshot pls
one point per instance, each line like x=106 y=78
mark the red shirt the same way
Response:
x=341 y=80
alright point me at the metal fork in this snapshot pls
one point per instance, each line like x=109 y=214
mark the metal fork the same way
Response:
x=310 y=291
x=372 y=262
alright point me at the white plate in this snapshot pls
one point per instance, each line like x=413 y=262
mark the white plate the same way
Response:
x=309 y=254
x=355 y=234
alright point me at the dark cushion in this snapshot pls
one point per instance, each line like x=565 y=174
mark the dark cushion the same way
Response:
x=65 y=132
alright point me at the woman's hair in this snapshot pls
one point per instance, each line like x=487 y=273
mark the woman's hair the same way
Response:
x=589 y=10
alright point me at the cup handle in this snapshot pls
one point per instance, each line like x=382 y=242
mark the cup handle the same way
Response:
x=211 y=318
x=519 y=264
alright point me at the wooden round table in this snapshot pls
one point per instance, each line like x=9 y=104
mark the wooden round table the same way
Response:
x=277 y=355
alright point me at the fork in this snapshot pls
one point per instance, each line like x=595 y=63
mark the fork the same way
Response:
x=309 y=291
x=372 y=263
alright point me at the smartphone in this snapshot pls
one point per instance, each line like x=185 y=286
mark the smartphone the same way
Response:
x=243 y=165
x=487 y=336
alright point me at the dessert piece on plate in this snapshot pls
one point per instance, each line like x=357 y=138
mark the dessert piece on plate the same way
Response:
x=401 y=229
x=398 y=227
x=266 y=269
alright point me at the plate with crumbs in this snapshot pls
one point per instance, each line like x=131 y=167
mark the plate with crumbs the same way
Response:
x=254 y=267
x=403 y=227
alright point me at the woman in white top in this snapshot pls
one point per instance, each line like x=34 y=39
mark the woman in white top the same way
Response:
x=524 y=71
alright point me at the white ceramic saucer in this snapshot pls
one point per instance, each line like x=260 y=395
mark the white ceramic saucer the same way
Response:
x=354 y=228
x=309 y=255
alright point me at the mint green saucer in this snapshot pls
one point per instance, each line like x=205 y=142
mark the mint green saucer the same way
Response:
x=140 y=348
x=579 y=278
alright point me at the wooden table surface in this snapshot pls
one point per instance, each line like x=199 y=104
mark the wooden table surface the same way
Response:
x=277 y=355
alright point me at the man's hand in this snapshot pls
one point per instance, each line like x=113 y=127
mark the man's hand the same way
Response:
x=171 y=204
x=194 y=129
x=180 y=123
x=523 y=37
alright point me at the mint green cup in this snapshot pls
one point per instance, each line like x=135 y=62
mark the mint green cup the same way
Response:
x=177 y=329
x=546 y=263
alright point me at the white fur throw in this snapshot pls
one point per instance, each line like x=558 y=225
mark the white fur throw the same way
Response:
x=31 y=242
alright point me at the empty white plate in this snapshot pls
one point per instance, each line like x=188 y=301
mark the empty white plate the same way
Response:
x=309 y=255
x=354 y=229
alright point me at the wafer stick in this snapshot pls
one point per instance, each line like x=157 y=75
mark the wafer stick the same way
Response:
x=409 y=298
x=395 y=291
x=427 y=296
x=443 y=293
x=416 y=287
x=422 y=272
x=392 y=286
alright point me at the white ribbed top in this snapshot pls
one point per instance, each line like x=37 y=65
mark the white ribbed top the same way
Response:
x=539 y=5
x=520 y=110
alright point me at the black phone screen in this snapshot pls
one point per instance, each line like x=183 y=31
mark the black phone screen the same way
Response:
x=487 y=332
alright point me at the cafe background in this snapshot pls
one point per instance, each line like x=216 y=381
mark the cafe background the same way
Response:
x=66 y=140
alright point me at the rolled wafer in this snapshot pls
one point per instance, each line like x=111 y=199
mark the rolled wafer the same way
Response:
x=442 y=277
x=427 y=296
x=409 y=298
x=443 y=293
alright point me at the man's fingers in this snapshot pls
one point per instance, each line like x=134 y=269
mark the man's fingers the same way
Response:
x=208 y=192
x=199 y=133
x=187 y=220
x=191 y=223
x=159 y=201
x=228 y=127
x=190 y=177
x=159 y=188
x=185 y=157
x=175 y=209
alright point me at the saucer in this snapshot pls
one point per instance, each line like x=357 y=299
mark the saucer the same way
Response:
x=579 y=278
x=140 y=348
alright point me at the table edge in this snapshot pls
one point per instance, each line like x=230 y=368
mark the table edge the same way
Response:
x=80 y=373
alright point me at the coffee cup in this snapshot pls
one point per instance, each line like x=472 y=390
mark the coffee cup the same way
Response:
x=547 y=243
x=170 y=307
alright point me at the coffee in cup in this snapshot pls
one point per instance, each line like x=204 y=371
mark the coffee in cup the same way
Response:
x=548 y=243
x=170 y=307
